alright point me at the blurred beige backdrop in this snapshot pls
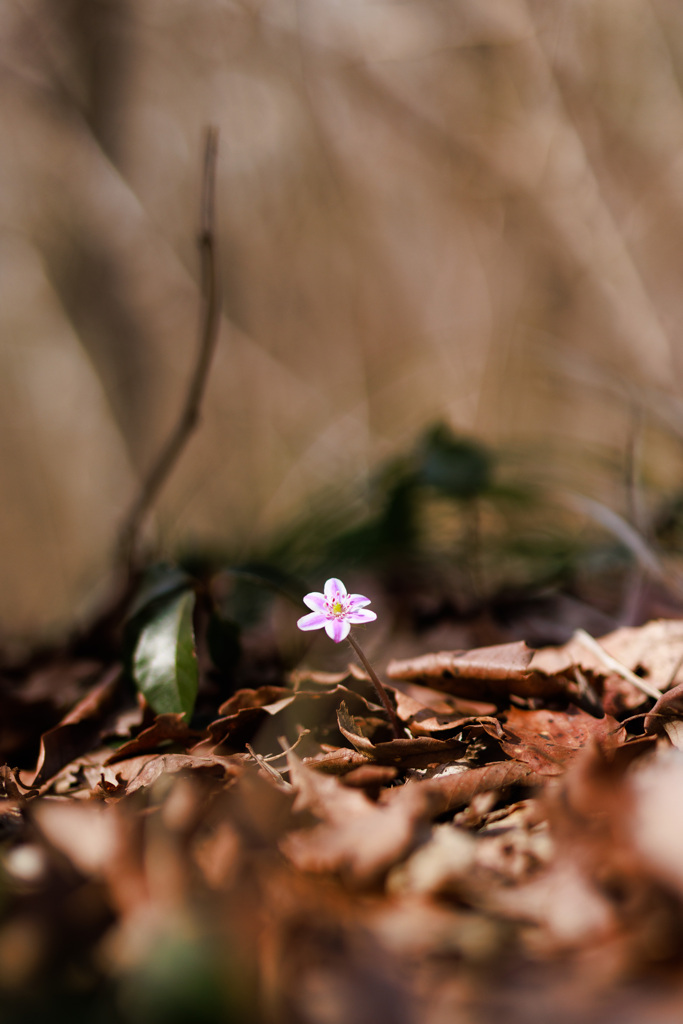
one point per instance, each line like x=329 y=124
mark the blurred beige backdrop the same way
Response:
x=468 y=210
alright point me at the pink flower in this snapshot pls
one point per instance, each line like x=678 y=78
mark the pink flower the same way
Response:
x=336 y=611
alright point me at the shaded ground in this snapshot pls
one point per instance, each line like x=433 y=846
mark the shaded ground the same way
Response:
x=515 y=855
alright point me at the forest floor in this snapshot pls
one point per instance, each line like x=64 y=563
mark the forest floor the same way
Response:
x=514 y=854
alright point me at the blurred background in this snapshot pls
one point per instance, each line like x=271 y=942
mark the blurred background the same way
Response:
x=457 y=211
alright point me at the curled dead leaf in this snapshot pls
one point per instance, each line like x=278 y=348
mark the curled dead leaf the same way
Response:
x=667 y=710
x=414 y=752
x=170 y=726
x=79 y=730
x=449 y=792
x=486 y=673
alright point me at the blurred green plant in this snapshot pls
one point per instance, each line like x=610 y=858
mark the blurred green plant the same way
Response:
x=160 y=651
x=165 y=659
x=442 y=503
x=446 y=528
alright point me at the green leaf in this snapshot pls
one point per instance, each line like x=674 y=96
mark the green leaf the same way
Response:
x=159 y=583
x=457 y=466
x=165 y=662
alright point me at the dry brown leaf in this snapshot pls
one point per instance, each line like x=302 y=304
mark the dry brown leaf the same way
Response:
x=417 y=695
x=668 y=708
x=439 y=866
x=338 y=761
x=356 y=838
x=654 y=652
x=303 y=678
x=458 y=862
x=171 y=726
x=674 y=730
x=249 y=698
x=169 y=764
x=78 y=731
x=110 y=789
x=84 y=832
x=568 y=909
x=486 y=673
x=655 y=821
x=449 y=792
x=287 y=717
x=418 y=752
x=424 y=720
x=549 y=740
x=12 y=787
x=370 y=777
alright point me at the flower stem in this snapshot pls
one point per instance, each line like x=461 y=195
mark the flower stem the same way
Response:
x=396 y=724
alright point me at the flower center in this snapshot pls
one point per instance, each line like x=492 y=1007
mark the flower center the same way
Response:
x=337 y=608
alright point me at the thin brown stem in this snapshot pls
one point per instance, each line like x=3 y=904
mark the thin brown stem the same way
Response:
x=396 y=724
x=188 y=419
x=592 y=645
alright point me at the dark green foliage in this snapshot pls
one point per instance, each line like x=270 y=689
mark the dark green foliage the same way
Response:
x=160 y=582
x=164 y=660
x=457 y=467
x=223 y=640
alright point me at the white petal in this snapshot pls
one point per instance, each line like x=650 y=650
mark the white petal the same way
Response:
x=361 y=615
x=313 y=621
x=316 y=602
x=337 y=629
x=357 y=601
x=334 y=590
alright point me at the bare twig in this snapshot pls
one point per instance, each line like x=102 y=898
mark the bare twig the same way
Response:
x=634 y=453
x=273 y=772
x=625 y=533
x=208 y=334
x=621 y=670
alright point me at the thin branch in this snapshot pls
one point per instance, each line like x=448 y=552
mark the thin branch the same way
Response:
x=188 y=419
x=591 y=644
x=273 y=772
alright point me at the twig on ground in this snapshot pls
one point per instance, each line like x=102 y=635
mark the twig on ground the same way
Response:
x=262 y=763
x=129 y=535
x=621 y=670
